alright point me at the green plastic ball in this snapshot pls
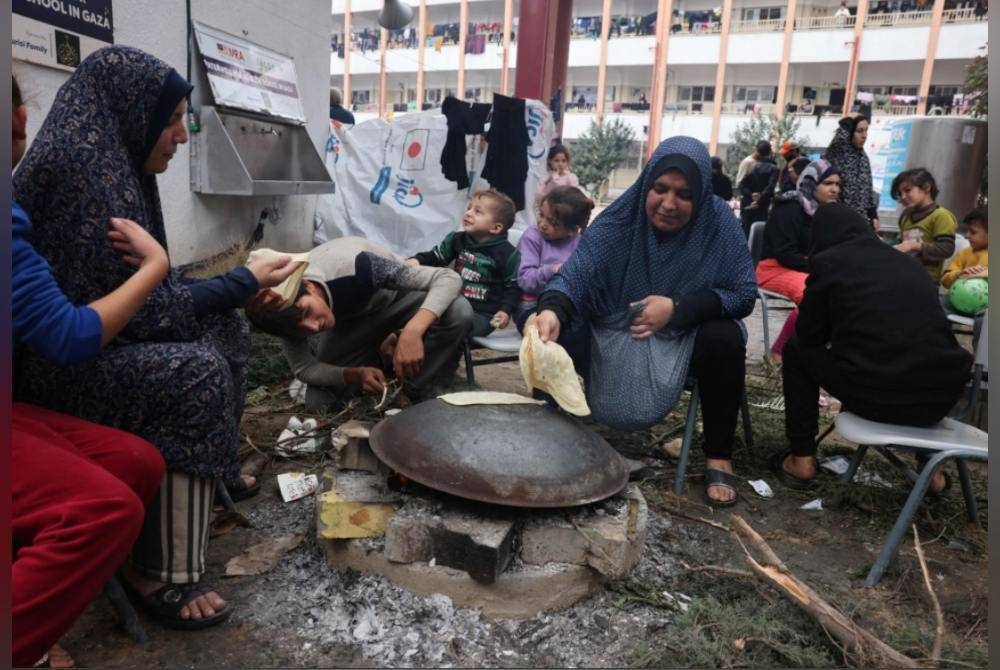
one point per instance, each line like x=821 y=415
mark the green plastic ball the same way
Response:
x=970 y=296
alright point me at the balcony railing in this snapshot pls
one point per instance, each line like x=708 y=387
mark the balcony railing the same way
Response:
x=711 y=26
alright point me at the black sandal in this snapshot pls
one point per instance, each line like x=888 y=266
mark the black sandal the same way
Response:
x=786 y=477
x=164 y=605
x=238 y=489
x=725 y=479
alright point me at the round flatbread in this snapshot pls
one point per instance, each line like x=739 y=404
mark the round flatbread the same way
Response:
x=547 y=367
x=488 y=398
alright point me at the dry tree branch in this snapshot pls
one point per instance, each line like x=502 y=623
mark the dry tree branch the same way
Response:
x=938 y=617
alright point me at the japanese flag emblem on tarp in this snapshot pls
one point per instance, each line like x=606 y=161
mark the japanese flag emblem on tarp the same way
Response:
x=414 y=155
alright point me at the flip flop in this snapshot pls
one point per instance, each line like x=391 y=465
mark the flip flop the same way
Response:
x=164 y=605
x=724 y=478
x=787 y=478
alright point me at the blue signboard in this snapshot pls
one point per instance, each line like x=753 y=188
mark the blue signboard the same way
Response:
x=60 y=33
x=890 y=145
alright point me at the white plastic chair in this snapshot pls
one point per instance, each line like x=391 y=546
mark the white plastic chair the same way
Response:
x=756 y=243
x=949 y=439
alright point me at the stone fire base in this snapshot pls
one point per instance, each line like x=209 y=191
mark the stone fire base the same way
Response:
x=508 y=562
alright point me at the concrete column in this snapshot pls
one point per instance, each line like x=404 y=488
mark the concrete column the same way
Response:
x=463 y=33
x=536 y=49
x=659 y=84
x=720 y=76
x=602 y=68
x=852 y=71
x=560 y=65
x=347 y=54
x=508 y=25
x=786 y=52
x=932 y=42
x=422 y=40
x=382 y=76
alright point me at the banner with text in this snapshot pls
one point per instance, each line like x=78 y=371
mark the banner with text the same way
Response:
x=59 y=33
x=247 y=76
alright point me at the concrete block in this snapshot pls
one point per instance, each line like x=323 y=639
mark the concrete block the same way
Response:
x=552 y=539
x=482 y=547
x=615 y=540
x=353 y=505
x=408 y=537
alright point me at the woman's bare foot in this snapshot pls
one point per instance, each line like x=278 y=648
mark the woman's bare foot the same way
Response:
x=60 y=658
x=938 y=482
x=803 y=467
x=716 y=492
x=203 y=606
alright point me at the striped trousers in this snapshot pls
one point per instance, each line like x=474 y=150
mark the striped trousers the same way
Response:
x=174 y=536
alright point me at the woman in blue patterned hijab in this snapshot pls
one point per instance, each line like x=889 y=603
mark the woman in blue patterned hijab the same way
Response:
x=176 y=375
x=654 y=292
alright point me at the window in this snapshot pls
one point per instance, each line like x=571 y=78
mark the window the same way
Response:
x=903 y=90
x=634 y=159
x=754 y=94
x=696 y=94
x=473 y=94
x=361 y=97
x=874 y=90
x=944 y=90
x=761 y=13
x=432 y=95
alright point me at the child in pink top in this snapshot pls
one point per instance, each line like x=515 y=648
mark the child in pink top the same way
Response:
x=559 y=174
x=562 y=218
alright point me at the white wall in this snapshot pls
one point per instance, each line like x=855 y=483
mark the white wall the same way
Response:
x=198 y=225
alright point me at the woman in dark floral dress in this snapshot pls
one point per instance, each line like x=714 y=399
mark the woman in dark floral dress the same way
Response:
x=176 y=375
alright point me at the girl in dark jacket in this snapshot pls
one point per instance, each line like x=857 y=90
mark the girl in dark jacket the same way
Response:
x=872 y=333
x=783 y=264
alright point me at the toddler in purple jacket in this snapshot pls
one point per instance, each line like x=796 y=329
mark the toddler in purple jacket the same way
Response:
x=562 y=217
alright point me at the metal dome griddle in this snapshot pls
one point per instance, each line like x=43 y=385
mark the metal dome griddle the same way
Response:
x=516 y=455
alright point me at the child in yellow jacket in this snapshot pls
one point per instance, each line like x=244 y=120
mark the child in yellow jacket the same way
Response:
x=973 y=261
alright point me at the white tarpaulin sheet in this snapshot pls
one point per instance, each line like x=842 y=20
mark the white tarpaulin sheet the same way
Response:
x=390 y=187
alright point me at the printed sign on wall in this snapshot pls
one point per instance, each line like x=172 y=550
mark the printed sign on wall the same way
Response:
x=888 y=144
x=59 y=33
x=244 y=75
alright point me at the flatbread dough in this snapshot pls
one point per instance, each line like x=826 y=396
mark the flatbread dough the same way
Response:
x=488 y=398
x=289 y=288
x=547 y=367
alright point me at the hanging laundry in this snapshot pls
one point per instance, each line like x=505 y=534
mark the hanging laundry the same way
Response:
x=475 y=44
x=507 y=157
x=463 y=119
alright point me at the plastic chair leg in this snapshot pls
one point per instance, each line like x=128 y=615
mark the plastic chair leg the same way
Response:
x=763 y=313
x=902 y=525
x=745 y=412
x=126 y=613
x=859 y=454
x=689 y=424
x=470 y=375
x=967 y=492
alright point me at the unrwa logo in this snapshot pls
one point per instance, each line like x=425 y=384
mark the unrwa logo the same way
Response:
x=407 y=193
x=535 y=119
x=381 y=185
x=333 y=145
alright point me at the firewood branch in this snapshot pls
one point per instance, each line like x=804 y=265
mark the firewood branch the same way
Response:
x=866 y=649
